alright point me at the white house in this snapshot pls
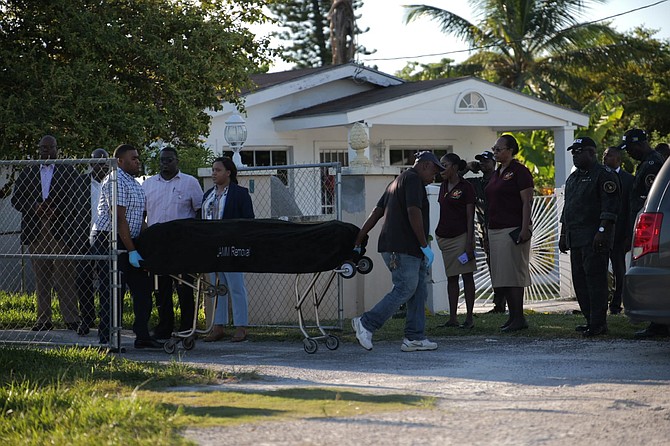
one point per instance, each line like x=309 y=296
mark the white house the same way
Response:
x=305 y=116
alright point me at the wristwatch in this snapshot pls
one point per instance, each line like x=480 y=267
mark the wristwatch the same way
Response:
x=601 y=229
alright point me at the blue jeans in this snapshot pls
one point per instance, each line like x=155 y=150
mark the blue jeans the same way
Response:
x=238 y=296
x=408 y=274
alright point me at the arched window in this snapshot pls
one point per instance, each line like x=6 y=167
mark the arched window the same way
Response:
x=471 y=101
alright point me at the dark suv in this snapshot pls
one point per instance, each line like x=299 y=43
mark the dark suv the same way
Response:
x=646 y=293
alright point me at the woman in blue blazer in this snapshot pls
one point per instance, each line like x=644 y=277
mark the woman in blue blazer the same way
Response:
x=227 y=200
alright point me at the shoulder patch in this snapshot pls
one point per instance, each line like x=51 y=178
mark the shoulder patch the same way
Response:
x=609 y=186
x=649 y=179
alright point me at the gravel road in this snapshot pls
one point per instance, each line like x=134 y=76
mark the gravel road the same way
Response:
x=498 y=390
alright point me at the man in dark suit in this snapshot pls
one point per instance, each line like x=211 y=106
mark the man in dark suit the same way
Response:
x=88 y=193
x=43 y=196
x=623 y=229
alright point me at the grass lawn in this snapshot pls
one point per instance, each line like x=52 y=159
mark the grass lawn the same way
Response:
x=85 y=396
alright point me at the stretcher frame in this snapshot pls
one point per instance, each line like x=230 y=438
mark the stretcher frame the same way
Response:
x=203 y=289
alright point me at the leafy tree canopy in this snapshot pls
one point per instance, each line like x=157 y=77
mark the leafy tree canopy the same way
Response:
x=100 y=73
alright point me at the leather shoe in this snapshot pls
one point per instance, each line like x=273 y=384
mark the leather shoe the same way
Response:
x=467 y=325
x=507 y=322
x=214 y=335
x=615 y=310
x=74 y=326
x=42 y=326
x=148 y=344
x=581 y=328
x=515 y=326
x=240 y=335
x=597 y=331
x=495 y=310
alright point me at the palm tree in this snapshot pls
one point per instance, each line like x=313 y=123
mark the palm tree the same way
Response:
x=537 y=46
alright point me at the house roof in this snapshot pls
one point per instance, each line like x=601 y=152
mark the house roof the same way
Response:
x=392 y=101
x=374 y=96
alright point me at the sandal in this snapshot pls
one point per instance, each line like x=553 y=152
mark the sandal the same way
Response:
x=239 y=335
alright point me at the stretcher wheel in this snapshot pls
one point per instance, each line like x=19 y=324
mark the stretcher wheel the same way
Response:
x=170 y=346
x=348 y=270
x=311 y=346
x=189 y=343
x=364 y=265
x=332 y=342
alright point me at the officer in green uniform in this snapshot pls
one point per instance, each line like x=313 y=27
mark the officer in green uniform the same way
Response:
x=592 y=196
x=636 y=143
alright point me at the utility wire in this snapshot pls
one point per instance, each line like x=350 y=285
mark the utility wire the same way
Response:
x=519 y=40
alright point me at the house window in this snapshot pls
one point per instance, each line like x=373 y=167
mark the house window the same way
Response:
x=471 y=101
x=257 y=158
x=404 y=156
x=254 y=158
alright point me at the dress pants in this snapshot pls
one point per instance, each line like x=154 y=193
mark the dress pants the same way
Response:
x=166 y=285
x=618 y=259
x=54 y=274
x=589 y=279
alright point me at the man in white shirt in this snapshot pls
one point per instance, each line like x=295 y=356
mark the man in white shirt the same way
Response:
x=172 y=195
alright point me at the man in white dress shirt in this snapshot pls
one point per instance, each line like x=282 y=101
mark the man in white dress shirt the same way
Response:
x=172 y=195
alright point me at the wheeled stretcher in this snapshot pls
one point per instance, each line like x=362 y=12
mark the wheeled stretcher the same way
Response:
x=260 y=246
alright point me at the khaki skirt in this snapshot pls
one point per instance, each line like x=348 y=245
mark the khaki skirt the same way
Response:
x=509 y=261
x=451 y=248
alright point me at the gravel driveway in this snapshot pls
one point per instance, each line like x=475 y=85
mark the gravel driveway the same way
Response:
x=498 y=390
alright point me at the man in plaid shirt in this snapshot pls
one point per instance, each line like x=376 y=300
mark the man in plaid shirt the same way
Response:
x=131 y=202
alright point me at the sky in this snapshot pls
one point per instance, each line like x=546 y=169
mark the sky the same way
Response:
x=397 y=43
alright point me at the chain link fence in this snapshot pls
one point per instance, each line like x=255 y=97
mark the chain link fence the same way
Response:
x=50 y=275
x=305 y=193
x=48 y=272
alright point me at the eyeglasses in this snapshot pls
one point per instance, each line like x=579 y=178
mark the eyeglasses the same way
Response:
x=576 y=151
x=499 y=149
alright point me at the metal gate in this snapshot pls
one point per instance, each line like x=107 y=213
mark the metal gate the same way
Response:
x=48 y=274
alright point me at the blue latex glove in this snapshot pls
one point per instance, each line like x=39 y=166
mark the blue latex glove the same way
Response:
x=358 y=249
x=429 y=255
x=134 y=258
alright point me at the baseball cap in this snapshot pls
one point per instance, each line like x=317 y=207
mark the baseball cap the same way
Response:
x=428 y=156
x=631 y=136
x=485 y=155
x=581 y=142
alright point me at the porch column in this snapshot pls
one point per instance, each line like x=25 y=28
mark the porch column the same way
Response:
x=563 y=137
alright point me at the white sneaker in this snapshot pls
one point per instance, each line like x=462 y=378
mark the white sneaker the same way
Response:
x=416 y=346
x=362 y=334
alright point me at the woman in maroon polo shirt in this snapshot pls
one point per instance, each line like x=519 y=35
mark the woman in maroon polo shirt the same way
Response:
x=509 y=195
x=455 y=236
